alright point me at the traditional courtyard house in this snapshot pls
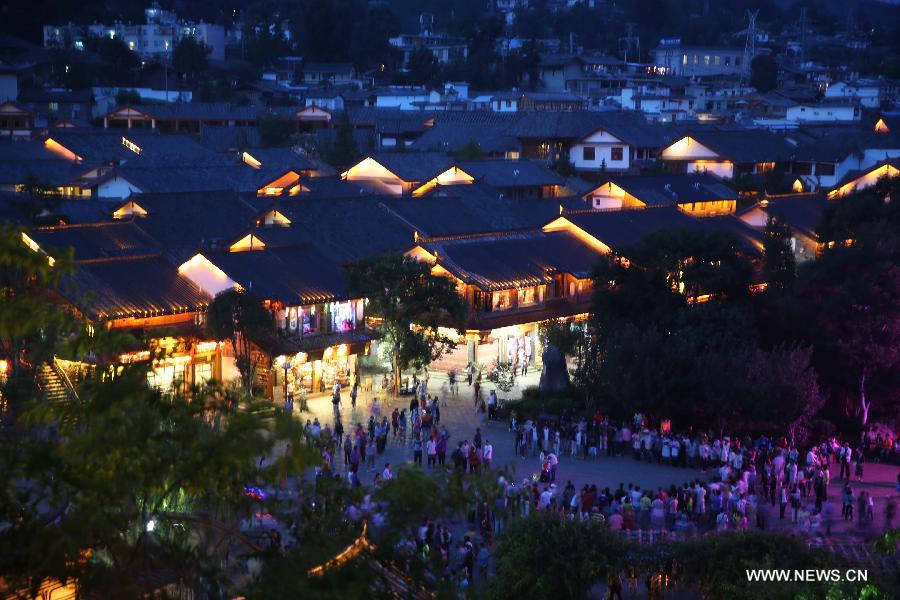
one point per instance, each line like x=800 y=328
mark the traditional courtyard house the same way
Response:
x=318 y=110
x=800 y=212
x=616 y=231
x=699 y=195
x=405 y=173
x=181 y=116
x=54 y=105
x=512 y=282
x=824 y=158
x=591 y=141
x=862 y=179
x=16 y=121
x=456 y=131
x=122 y=281
x=727 y=153
x=319 y=330
x=27 y=168
x=279 y=158
x=516 y=179
x=187 y=223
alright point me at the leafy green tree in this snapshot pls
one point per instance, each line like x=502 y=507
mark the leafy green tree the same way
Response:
x=764 y=73
x=136 y=486
x=31 y=325
x=543 y=556
x=239 y=317
x=189 y=57
x=412 y=304
x=718 y=565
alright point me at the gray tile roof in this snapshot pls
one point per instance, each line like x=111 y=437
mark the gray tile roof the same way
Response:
x=95 y=242
x=510 y=260
x=505 y=174
x=671 y=189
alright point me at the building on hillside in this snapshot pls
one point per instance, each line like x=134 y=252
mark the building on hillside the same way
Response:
x=16 y=121
x=443 y=48
x=188 y=116
x=698 y=61
x=157 y=37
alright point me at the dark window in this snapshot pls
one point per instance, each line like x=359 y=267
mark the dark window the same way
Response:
x=824 y=169
x=616 y=153
x=588 y=153
x=802 y=168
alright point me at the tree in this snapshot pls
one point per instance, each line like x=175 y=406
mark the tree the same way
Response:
x=127 y=96
x=189 y=57
x=31 y=325
x=471 y=151
x=238 y=316
x=118 y=56
x=137 y=486
x=412 y=304
x=778 y=255
x=274 y=129
x=344 y=150
x=423 y=68
x=543 y=556
x=764 y=73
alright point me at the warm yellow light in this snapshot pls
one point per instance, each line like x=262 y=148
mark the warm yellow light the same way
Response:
x=61 y=151
x=131 y=145
x=248 y=158
x=798 y=186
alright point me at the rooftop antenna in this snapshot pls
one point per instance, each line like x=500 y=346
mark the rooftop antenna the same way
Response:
x=749 y=45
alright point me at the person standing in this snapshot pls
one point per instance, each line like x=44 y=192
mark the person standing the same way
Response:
x=431 y=450
x=487 y=454
x=353 y=393
x=417 y=450
x=470 y=373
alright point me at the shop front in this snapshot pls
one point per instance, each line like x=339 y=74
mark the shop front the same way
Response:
x=316 y=371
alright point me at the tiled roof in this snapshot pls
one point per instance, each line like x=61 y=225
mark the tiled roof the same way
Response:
x=414 y=166
x=222 y=138
x=668 y=190
x=510 y=260
x=97 y=242
x=299 y=274
x=197 y=110
x=186 y=223
x=505 y=174
x=131 y=288
x=744 y=145
x=802 y=212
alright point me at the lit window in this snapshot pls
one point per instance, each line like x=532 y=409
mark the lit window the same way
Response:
x=54 y=106
x=716 y=60
x=696 y=59
x=706 y=60
x=684 y=59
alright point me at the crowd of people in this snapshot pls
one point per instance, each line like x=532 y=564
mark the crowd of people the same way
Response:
x=751 y=483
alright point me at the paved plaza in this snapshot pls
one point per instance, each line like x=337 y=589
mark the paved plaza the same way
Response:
x=459 y=417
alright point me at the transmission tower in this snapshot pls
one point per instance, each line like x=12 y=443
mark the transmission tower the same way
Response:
x=749 y=45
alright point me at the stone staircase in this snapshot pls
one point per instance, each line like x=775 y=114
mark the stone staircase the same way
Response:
x=52 y=386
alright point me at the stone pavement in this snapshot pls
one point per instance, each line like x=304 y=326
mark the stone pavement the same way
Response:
x=459 y=417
